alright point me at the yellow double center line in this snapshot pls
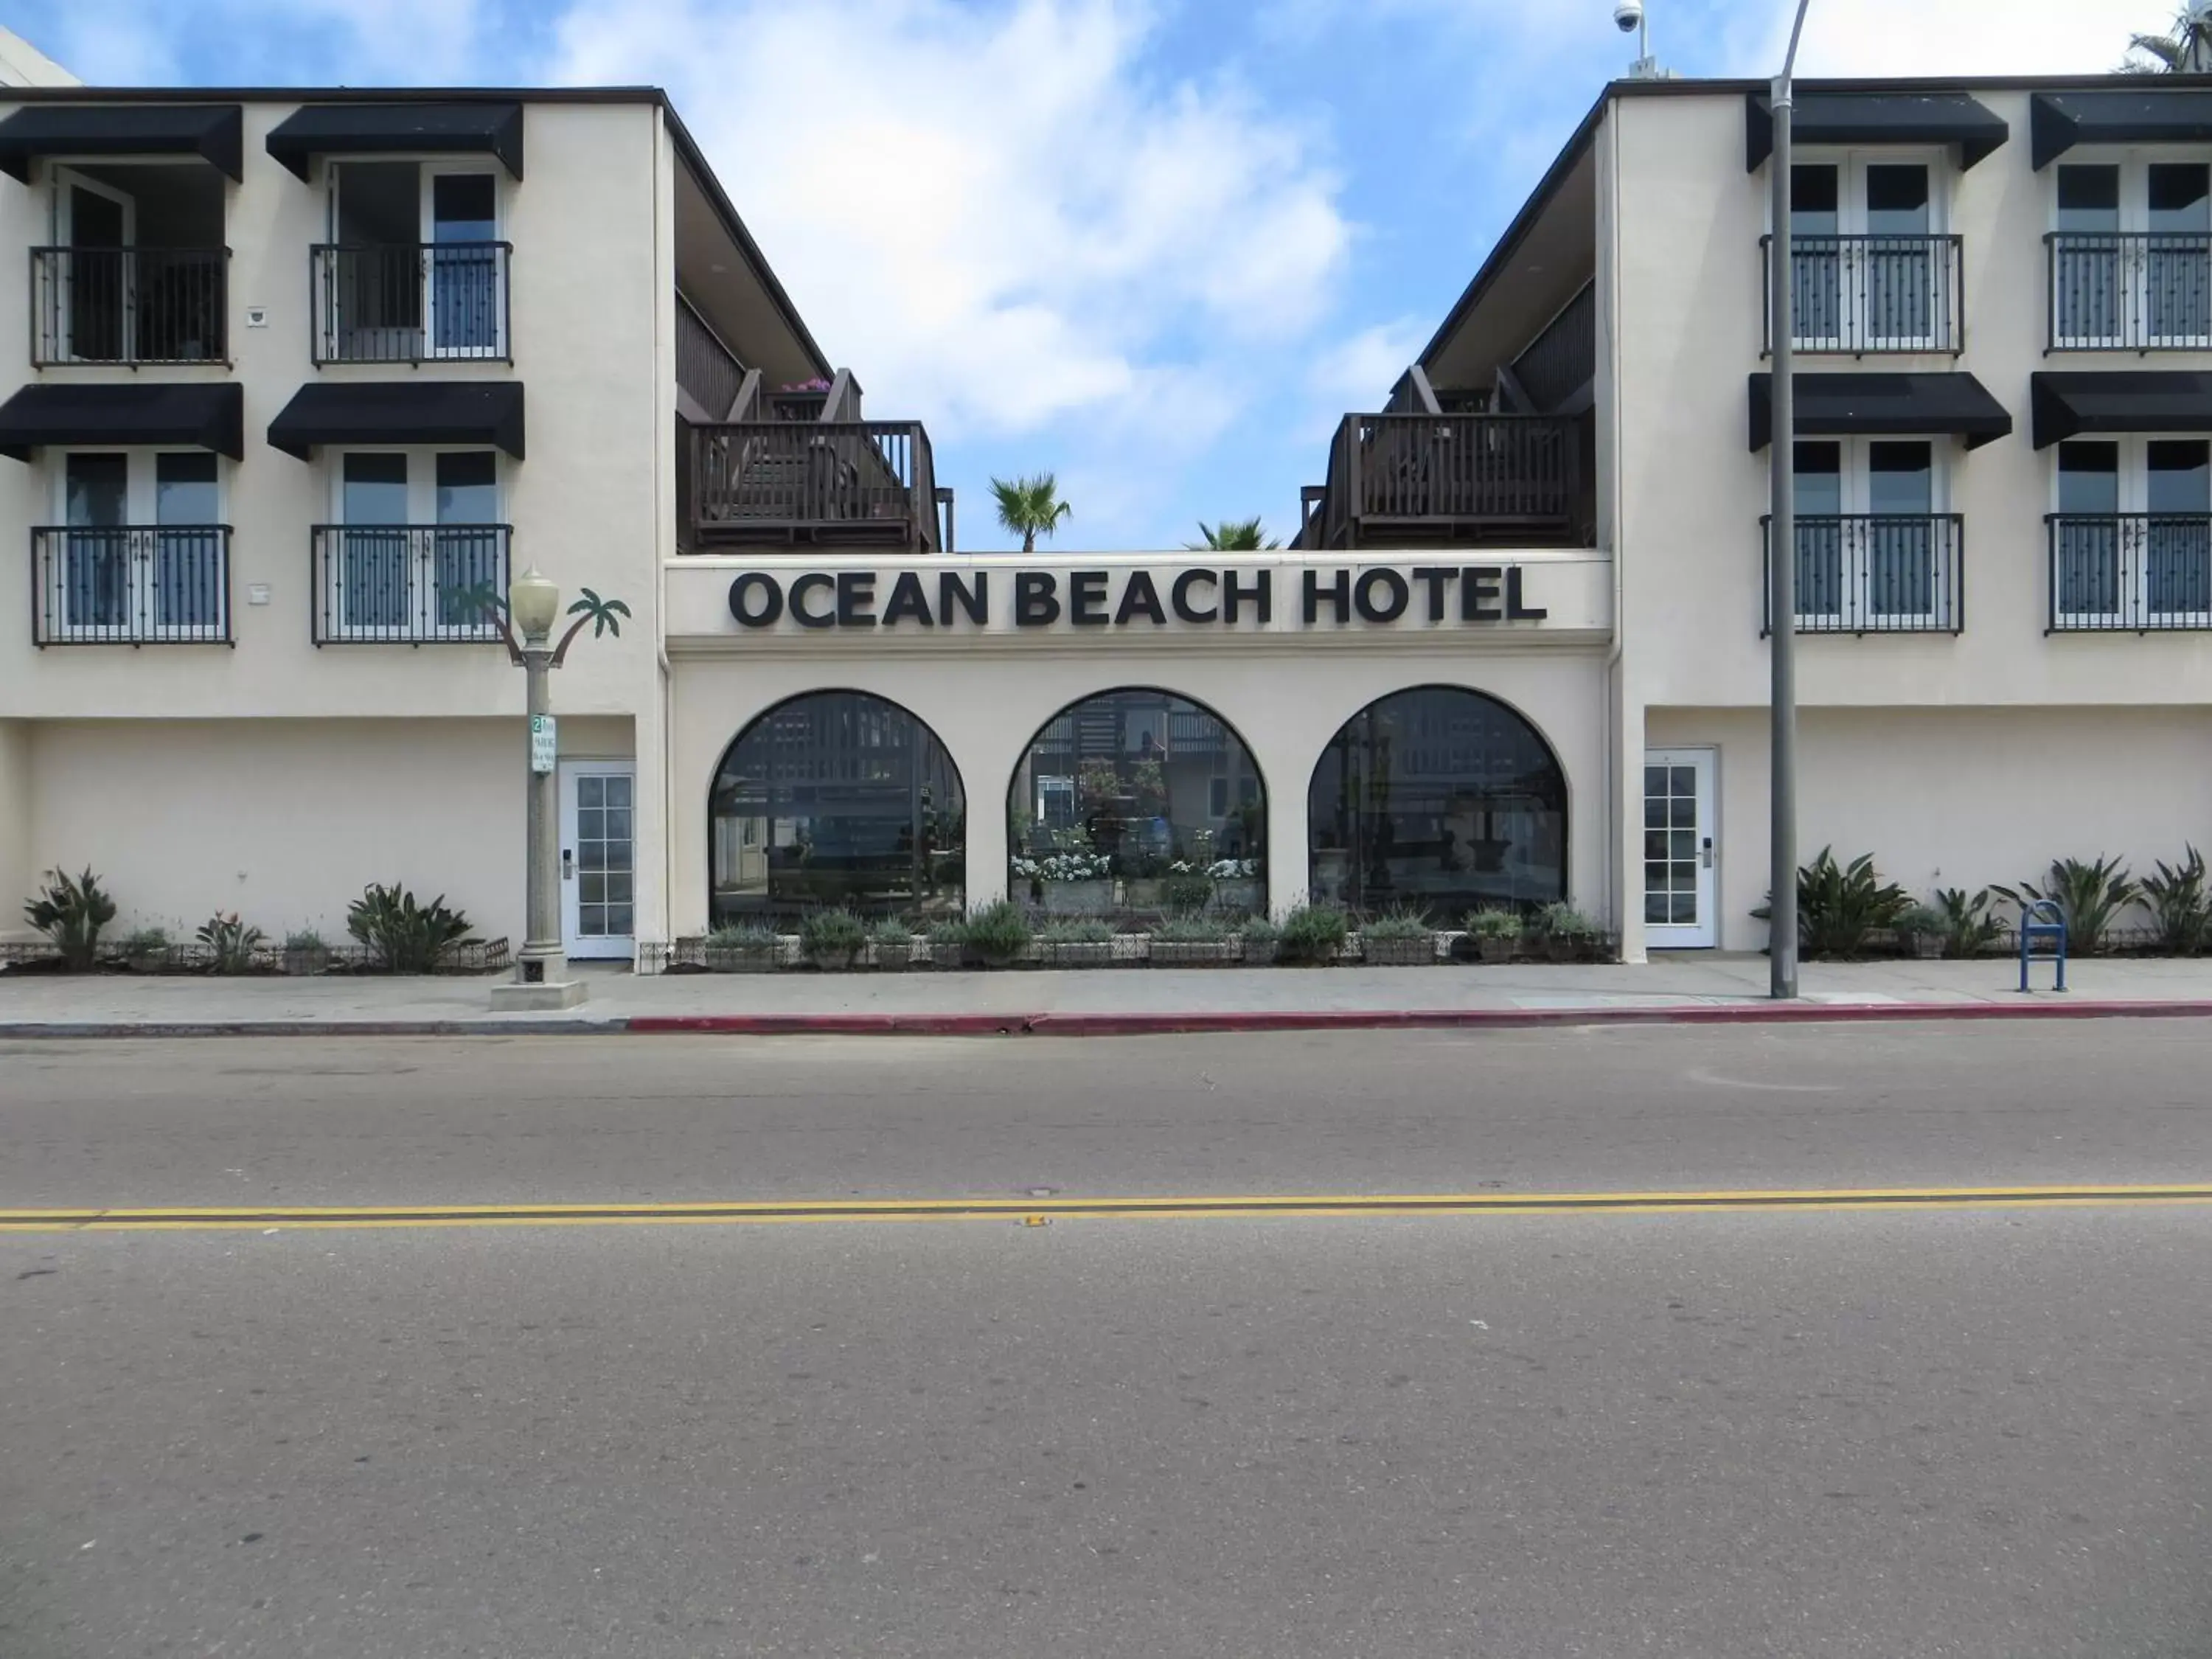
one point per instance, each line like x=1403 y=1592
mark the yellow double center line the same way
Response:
x=1039 y=1210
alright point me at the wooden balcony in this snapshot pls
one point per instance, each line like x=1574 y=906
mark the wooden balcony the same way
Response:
x=1451 y=480
x=819 y=483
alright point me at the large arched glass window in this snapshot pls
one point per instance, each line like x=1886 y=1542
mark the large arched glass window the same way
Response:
x=1135 y=798
x=836 y=798
x=1439 y=800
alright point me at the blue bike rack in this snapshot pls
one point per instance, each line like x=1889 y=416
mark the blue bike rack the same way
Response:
x=2042 y=918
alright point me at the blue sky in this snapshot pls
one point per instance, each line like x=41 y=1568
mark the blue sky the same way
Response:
x=1158 y=247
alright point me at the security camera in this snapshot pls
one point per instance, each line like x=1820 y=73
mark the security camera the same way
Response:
x=1628 y=16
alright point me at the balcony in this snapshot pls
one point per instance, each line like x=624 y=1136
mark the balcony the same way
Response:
x=2137 y=572
x=1405 y=480
x=2146 y=292
x=706 y=371
x=411 y=303
x=408 y=584
x=128 y=306
x=130 y=585
x=1872 y=573
x=797 y=482
x=1862 y=295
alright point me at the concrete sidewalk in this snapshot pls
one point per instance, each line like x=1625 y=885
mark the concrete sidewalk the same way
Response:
x=1701 y=988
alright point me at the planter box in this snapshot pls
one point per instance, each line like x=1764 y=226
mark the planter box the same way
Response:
x=891 y=958
x=1927 y=946
x=307 y=961
x=1143 y=895
x=1246 y=895
x=1079 y=898
x=1193 y=953
x=1259 y=953
x=1081 y=953
x=1496 y=951
x=1399 y=952
x=835 y=962
x=753 y=959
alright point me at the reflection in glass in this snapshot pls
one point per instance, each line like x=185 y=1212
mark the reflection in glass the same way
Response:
x=836 y=798
x=1440 y=799
x=1131 y=792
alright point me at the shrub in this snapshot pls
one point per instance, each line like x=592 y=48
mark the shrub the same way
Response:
x=1190 y=930
x=1839 y=906
x=1398 y=923
x=2088 y=895
x=407 y=938
x=1075 y=932
x=1261 y=930
x=952 y=934
x=304 y=939
x=1560 y=919
x=229 y=943
x=146 y=942
x=1186 y=890
x=1494 y=923
x=998 y=934
x=831 y=939
x=1918 y=919
x=1968 y=927
x=71 y=912
x=1313 y=933
x=2179 y=907
x=743 y=935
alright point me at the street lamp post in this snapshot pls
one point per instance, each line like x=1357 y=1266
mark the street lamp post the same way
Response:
x=533 y=605
x=1781 y=560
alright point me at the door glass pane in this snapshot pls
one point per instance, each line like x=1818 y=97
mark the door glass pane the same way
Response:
x=188 y=578
x=1897 y=200
x=603 y=856
x=2089 y=199
x=1900 y=269
x=376 y=296
x=1900 y=548
x=2178 y=537
x=1820 y=481
x=465 y=265
x=2177 y=259
x=2087 y=261
x=1671 y=856
x=1816 y=260
x=97 y=489
x=97 y=572
x=2087 y=577
x=376 y=570
x=184 y=487
x=97 y=281
x=467 y=563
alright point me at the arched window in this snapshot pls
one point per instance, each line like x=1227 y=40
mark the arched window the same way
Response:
x=1136 y=799
x=1437 y=799
x=836 y=798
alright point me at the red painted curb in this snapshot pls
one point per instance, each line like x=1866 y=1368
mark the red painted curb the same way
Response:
x=1356 y=1019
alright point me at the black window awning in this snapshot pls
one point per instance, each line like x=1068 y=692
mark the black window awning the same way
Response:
x=451 y=129
x=401 y=412
x=1840 y=405
x=1876 y=117
x=2057 y=121
x=202 y=414
x=2117 y=400
x=213 y=132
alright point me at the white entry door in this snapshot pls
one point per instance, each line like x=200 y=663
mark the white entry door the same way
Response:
x=1680 y=908
x=598 y=866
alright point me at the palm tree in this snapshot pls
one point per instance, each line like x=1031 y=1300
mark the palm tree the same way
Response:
x=1232 y=536
x=2187 y=50
x=1029 y=508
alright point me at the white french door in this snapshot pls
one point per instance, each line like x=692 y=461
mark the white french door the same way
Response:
x=1681 y=886
x=599 y=862
x=97 y=223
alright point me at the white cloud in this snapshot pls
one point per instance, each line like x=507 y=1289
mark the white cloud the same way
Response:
x=1001 y=218
x=1949 y=37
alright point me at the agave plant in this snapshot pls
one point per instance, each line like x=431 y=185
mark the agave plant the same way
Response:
x=1968 y=927
x=2089 y=896
x=407 y=938
x=1840 y=907
x=2179 y=907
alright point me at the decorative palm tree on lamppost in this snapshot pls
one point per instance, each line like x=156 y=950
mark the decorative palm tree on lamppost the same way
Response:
x=533 y=604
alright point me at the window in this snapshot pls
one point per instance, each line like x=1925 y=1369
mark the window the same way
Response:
x=415 y=269
x=1874 y=552
x=1869 y=271
x=2131 y=255
x=2131 y=541
x=418 y=547
x=140 y=552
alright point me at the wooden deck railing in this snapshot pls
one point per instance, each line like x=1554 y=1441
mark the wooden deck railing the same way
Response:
x=1450 y=477
x=828 y=482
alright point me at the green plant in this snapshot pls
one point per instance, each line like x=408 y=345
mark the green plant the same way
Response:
x=1190 y=930
x=71 y=912
x=304 y=939
x=950 y=934
x=1186 y=890
x=1839 y=906
x=408 y=937
x=998 y=934
x=229 y=943
x=1968 y=927
x=1261 y=930
x=2088 y=895
x=1920 y=919
x=1494 y=923
x=1313 y=933
x=1397 y=923
x=831 y=939
x=1560 y=919
x=890 y=930
x=2179 y=907
x=742 y=936
x=146 y=942
x=1029 y=508
x=1231 y=536
x=1075 y=932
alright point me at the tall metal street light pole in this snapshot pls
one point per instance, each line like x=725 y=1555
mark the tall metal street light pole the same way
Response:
x=533 y=605
x=1782 y=561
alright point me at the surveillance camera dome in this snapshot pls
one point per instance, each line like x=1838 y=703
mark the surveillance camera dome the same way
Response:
x=1628 y=15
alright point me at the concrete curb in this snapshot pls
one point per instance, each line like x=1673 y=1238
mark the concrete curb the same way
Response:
x=1121 y=1024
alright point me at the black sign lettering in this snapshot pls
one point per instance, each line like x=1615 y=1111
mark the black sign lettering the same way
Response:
x=856 y=599
x=770 y=610
x=1261 y=593
x=800 y=587
x=1035 y=602
x=1180 y=596
x=1514 y=610
x=1139 y=598
x=1339 y=594
x=1477 y=594
x=1393 y=585
x=1086 y=598
x=952 y=590
x=906 y=600
x=1436 y=578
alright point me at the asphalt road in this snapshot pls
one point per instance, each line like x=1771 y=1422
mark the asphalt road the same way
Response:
x=1877 y=1432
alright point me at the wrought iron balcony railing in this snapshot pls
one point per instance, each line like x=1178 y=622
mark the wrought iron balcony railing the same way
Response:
x=408 y=584
x=2129 y=572
x=411 y=303
x=130 y=585
x=1866 y=295
x=128 y=305
x=1869 y=572
x=2149 y=291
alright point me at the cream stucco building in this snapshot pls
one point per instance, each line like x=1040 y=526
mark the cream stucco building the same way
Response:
x=304 y=378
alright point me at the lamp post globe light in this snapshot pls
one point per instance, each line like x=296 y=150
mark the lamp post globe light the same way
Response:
x=532 y=605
